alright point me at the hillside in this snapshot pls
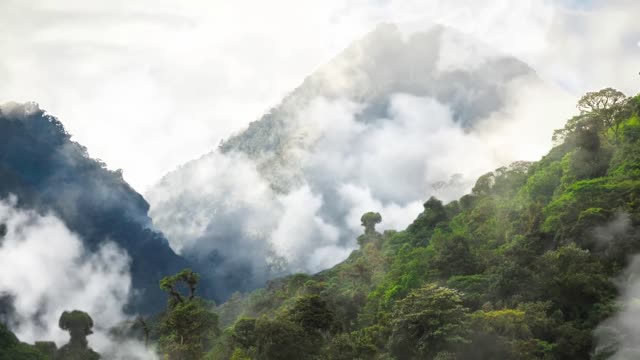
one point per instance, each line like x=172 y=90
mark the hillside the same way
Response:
x=537 y=262
x=49 y=173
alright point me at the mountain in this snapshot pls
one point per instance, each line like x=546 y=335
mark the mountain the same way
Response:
x=50 y=173
x=539 y=261
x=382 y=106
x=439 y=63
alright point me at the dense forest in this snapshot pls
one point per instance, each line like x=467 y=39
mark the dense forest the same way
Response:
x=532 y=264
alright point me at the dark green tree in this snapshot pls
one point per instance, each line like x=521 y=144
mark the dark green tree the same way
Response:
x=423 y=227
x=601 y=112
x=453 y=256
x=369 y=221
x=429 y=321
x=12 y=349
x=312 y=313
x=79 y=325
x=280 y=339
x=189 y=323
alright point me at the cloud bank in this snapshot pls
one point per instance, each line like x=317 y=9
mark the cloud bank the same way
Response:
x=148 y=85
x=47 y=270
x=338 y=166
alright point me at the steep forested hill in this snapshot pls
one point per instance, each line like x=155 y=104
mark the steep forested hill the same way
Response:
x=536 y=263
x=48 y=172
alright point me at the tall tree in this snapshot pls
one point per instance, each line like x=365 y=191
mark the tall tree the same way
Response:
x=189 y=323
x=79 y=325
x=428 y=323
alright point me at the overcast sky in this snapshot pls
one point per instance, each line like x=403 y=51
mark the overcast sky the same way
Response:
x=147 y=85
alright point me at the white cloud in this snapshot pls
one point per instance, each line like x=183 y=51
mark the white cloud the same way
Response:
x=619 y=336
x=300 y=233
x=591 y=49
x=343 y=168
x=45 y=268
x=227 y=188
x=361 y=200
x=147 y=85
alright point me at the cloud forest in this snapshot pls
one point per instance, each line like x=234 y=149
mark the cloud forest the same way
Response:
x=358 y=180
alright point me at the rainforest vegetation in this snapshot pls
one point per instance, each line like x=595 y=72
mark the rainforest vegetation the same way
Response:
x=532 y=264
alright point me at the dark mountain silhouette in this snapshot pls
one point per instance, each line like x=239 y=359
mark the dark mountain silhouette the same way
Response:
x=48 y=172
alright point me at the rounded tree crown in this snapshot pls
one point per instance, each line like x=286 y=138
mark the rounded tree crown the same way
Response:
x=76 y=320
x=371 y=218
x=369 y=221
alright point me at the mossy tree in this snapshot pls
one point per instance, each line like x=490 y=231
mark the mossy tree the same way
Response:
x=189 y=324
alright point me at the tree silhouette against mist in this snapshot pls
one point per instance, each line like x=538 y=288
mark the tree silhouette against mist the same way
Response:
x=369 y=221
x=601 y=113
x=78 y=324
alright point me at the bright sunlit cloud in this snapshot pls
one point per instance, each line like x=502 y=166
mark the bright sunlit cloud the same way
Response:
x=147 y=85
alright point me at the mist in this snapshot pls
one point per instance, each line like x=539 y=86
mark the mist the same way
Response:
x=418 y=109
x=365 y=143
x=48 y=270
x=619 y=336
x=298 y=209
x=177 y=77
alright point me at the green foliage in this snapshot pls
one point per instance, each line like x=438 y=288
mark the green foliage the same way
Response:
x=601 y=112
x=430 y=320
x=471 y=287
x=311 y=313
x=357 y=345
x=369 y=221
x=423 y=227
x=185 y=277
x=453 y=256
x=574 y=279
x=189 y=325
x=78 y=324
x=279 y=339
x=12 y=349
x=244 y=333
x=521 y=268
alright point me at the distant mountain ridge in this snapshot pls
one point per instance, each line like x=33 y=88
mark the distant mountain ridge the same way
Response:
x=209 y=209
x=48 y=172
x=386 y=62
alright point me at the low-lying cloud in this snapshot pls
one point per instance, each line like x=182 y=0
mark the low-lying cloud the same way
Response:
x=618 y=337
x=339 y=166
x=45 y=270
x=175 y=78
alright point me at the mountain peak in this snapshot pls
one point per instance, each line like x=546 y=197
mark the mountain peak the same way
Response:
x=330 y=146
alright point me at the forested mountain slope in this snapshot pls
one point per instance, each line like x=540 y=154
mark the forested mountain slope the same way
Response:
x=537 y=262
x=47 y=172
